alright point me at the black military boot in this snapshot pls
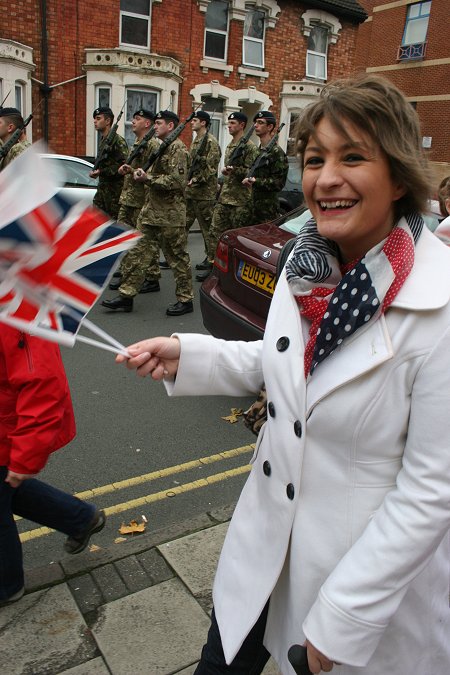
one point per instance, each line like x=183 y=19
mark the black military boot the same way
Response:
x=115 y=283
x=180 y=308
x=201 y=276
x=119 y=302
x=204 y=265
x=149 y=286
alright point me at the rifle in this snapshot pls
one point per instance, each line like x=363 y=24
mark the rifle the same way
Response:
x=1 y=104
x=109 y=140
x=139 y=149
x=167 y=141
x=199 y=154
x=239 y=149
x=6 y=147
x=263 y=157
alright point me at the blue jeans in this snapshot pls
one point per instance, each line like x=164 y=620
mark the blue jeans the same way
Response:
x=43 y=504
x=250 y=659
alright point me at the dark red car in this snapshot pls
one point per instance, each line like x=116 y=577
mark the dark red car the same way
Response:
x=235 y=298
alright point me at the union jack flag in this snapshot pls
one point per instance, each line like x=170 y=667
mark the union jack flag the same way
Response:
x=54 y=263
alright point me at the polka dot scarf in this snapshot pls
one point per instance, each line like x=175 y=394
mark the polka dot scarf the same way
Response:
x=341 y=300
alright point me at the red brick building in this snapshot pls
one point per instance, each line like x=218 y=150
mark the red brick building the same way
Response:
x=62 y=59
x=407 y=42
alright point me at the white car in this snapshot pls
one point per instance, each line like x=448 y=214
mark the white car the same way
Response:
x=77 y=182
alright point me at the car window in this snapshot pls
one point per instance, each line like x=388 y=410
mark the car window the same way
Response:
x=295 y=224
x=76 y=173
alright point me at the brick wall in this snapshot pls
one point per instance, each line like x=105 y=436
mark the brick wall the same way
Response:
x=377 y=45
x=177 y=31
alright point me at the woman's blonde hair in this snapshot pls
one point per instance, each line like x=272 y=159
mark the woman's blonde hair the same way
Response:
x=443 y=194
x=375 y=106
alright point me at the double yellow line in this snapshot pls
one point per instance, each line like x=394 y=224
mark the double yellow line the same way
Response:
x=163 y=494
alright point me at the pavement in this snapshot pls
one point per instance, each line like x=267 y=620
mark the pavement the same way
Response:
x=141 y=606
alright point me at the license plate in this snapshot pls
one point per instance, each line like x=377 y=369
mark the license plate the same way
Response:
x=256 y=277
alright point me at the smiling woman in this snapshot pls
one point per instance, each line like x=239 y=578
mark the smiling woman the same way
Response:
x=340 y=540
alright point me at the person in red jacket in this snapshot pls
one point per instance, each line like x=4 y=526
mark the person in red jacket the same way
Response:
x=36 y=418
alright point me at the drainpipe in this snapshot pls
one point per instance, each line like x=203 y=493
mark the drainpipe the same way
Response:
x=44 y=88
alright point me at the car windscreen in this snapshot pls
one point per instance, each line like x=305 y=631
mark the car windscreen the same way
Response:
x=296 y=221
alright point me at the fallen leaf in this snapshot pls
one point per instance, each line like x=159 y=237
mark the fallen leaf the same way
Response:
x=235 y=413
x=133 y=527
x=94 y=547
x=119 y=540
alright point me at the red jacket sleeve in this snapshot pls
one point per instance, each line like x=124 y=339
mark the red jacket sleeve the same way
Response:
x=35 y=405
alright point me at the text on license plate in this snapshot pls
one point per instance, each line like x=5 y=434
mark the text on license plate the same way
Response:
x=257 y=277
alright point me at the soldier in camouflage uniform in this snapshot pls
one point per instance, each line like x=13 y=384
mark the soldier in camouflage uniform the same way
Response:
x=133 y=192
x=163 y=215
x=110 y=182
x=10 y=120
x=234 y=207
x=202 y=184
x=270 y=177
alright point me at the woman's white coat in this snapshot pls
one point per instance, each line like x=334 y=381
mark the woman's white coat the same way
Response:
x=343 y=522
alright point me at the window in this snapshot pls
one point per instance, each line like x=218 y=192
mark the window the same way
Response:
x=137 y=99
x=18 y=93
x=214 y=106
x=253 y=47
x=102 y=99
x=416 y=23
x=135 y=23
x=293 y=119
x=316 y=55
x=216 y=30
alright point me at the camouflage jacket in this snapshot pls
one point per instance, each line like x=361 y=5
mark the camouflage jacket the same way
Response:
x=204 y=180
x=14 y=152
x=233 y=192
x=165 y=201
x=271 y=176
x=115 y=157
x=133 y=192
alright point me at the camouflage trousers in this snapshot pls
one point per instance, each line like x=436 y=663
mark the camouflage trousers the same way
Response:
x=107 y=197
x=128 y=214
x=264 y=208
x=142 y=261
x=202 y=209
x=227 y=217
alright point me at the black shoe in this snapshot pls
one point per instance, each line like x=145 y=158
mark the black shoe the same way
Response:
x=149 y=286
x=201 y=276
x=115 y=283
x=119 y=302
x=117 y=274
x=204 y=265
x=164 y=265
x=13 y=598
x=180 y=308
x=77 y=544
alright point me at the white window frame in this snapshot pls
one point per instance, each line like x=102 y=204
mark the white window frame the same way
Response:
x=19 y=96
x=312 y=75
x=107 y=88
x=254 y=8
x=410 y=20
x=137 y=16
x=217 y=32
